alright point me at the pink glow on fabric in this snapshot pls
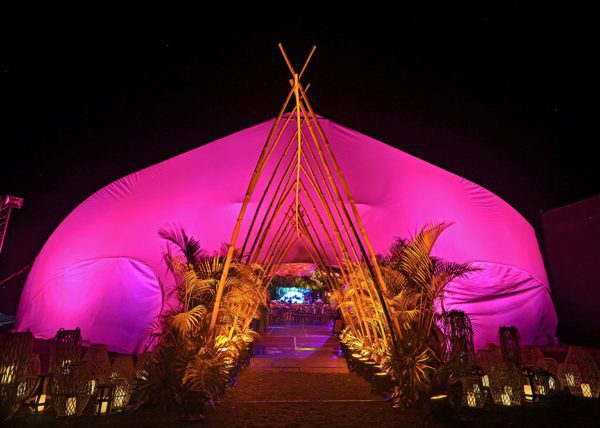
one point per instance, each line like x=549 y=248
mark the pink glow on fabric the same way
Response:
x=102 y=268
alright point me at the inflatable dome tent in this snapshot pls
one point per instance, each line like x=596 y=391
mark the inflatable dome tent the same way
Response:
x=102 y=269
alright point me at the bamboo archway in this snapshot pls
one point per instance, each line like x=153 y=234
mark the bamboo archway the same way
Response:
x=305 y=199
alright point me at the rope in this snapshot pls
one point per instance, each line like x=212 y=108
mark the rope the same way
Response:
x=14 y=275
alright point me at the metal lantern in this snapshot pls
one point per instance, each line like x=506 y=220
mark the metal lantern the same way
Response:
x=588 y=369
x=103 y=399
x=488 y=358
x=39 y=401
x=536 y=384
x=458 y=350
x=66 y=349
x=510 y=344
x=506 y=385
x=473 y=392
x=15 y=352
x=122 y=377
x=70 y=389
x=570 y=378
x=99 y=366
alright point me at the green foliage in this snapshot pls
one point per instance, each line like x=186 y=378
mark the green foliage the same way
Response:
x=414 y=291
x=189 y=359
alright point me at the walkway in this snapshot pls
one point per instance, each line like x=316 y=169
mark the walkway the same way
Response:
x=298 y=348
x=297 y=379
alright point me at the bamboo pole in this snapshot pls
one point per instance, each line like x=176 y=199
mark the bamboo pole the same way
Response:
x=327 y=185
x=278 y=233
x=359 y=304
x=236 y=230
x=285 y=180
x=287 y=231
x=349 y=320
x=374 y=270
x=255 y=176
x=266 y=286
x=280 y=203
x=299 y=133
x=259 y=206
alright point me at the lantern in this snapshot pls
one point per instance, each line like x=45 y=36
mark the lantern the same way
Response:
x=103 y=400
x=99 y=365
x=536 y=384
x=510 y=344
x=38 y=403
x=66 y=349
x=506 y=385
x=570 y=378
x=71 y=389
x=7 y=374
x=589 y=384
x=473 y=392
x=15 y=353
x=485 y=381
x=122 y=378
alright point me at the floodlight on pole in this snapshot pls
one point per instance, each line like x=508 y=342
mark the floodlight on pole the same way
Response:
x=6 y=205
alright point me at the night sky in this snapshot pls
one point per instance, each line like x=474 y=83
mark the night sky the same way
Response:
x=507 y=98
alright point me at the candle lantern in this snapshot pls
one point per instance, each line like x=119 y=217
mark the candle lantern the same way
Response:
x=588 y=370
x=506 y=385
x=66 y=349
x=122 y=377
x=473 y=392
x=510 y=344
x=535 y=384
x=488 y=358
x=33 y=371
x=7 y=374
x=103 y=399
x=553 y=384
x=484 y=377
x=15 y=352
x=570 y=378
x=458 y=349
x=99 y=366
x=71 y=389
x=39 y=401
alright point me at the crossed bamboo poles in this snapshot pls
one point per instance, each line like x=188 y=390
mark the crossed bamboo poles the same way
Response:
x=306 y=181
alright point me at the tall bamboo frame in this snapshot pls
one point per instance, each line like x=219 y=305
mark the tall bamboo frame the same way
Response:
x=306 y=182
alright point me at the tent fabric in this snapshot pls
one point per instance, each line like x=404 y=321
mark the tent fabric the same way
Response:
x=102 y=268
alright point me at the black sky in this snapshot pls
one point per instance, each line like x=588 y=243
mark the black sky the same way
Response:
x=505 y=97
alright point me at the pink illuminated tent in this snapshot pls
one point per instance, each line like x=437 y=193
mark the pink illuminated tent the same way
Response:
x=102 y=269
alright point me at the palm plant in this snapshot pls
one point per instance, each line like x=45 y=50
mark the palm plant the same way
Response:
x=188 y=359
x=415 y=283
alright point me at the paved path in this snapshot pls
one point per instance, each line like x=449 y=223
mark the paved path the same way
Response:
x=295 y=379
x=298 y=348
